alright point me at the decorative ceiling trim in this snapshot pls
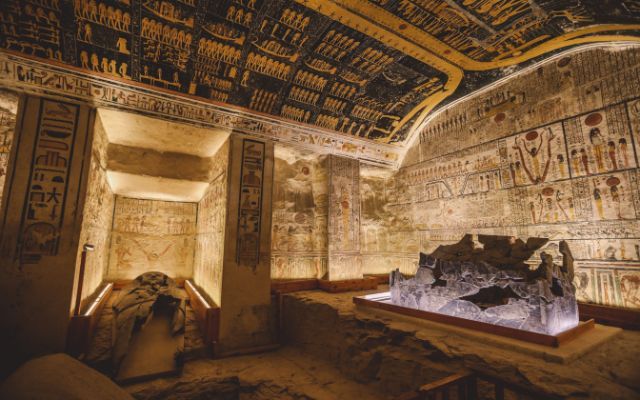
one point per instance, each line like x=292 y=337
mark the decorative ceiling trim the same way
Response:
x=422 y=39
x=35 y=76
x=375 y=21
x=385 y=34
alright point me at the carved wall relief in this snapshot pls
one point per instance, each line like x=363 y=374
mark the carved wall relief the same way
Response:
x=8 y=113
x=97 y=217
x=552 y=153
x=152 y=235
x=344 y=219
x=47 y=193
x=212 y=213
x=299 y=219
x=250 y=204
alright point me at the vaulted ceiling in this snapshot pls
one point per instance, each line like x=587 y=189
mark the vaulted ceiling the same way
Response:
x=367 y=68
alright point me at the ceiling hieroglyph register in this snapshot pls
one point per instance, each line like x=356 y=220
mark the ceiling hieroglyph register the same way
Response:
x=364 y=69
x=326 y=199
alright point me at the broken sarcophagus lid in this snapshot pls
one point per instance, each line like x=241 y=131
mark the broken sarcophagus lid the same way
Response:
x=491 y=282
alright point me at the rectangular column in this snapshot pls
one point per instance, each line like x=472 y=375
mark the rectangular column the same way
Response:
x=40 y=226
x=245 y=315
x=344 y=219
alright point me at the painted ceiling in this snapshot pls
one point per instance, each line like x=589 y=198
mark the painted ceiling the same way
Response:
x=372 y=69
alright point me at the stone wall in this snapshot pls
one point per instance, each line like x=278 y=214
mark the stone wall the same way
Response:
x=300 y=207
x=210 y=234
x=97 y=216
x=550 y=153
x=40 y=227
x=152 y=235
x=344 y=219
x=387 y=240
x=8 y=112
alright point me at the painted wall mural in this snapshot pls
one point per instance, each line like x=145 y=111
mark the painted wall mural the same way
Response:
x=47 y=193
x=387 y=240
x=551 y=153
x=97 y=216
x=299 y=214
x=250 y=203
x=152 y=235
x=210 y=230
x=364 y=68
x=343 y=227
x=8 y=113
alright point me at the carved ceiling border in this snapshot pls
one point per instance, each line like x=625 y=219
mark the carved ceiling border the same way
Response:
x=33 y=76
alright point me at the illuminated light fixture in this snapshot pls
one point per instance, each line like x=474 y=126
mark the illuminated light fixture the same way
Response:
x=83 y=261
x=98 y=299
x=193 y=289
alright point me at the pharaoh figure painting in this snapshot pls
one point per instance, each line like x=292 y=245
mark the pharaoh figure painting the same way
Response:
x=319 y=199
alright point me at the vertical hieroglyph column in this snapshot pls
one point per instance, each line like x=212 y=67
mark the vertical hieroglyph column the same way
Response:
x=40 y=226
x=344 y=219
x=245 y=320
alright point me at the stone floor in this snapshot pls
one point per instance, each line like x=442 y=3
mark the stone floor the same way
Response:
x=284 y=374
x=333 y=350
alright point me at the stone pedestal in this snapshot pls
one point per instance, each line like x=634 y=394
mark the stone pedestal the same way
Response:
x=40 y=226
x=245 y=308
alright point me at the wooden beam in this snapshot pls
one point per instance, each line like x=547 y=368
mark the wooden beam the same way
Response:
x=348 y=285
x=293 y=285
x=616 y=316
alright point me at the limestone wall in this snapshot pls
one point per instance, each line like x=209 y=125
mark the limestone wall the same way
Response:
x=388 y=241
x=550 y=153
x=97 y=216
x=344 y=219
x=300 y=207
x=8 y=111
x=210 y=233
x=152 y=235
x=40 y=227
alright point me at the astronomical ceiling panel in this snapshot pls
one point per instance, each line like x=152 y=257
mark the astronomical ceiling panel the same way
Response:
x=371 y=69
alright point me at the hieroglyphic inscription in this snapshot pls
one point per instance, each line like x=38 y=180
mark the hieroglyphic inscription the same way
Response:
x=36 y=77
x=299 y=215
x=568 y=169
x=344 y=219
x=152 y=235
x=250 y=206
x=48 y=180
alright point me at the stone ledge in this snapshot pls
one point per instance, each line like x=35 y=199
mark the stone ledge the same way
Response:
x=565 y=353
x=397 y=354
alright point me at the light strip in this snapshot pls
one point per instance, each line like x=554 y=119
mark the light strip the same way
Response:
x=193 y=288
x=98 y=299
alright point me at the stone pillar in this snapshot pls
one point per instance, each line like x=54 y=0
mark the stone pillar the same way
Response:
x=40 y=226
x=245 y=307
x=344 y=219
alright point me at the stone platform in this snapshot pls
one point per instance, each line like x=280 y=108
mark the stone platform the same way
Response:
x=397 y=354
